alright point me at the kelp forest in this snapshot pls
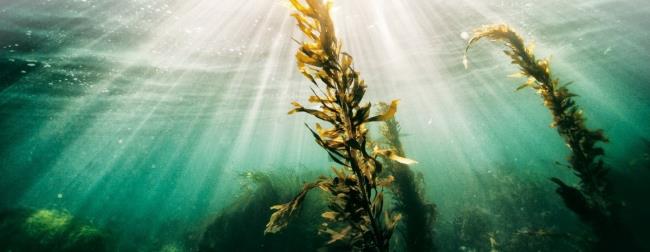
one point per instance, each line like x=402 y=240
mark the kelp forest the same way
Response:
x=163 y=125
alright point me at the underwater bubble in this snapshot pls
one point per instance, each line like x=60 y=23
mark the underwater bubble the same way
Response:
x=464 y=35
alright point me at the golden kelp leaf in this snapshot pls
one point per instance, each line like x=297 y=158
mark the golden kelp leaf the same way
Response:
x=392 y=156
x=303 y=58
x=301 y=8
x=296 y=108
x=392 y=109
x=330 y=215
x=402 y=160
x=315 y=99
x=386 y=181
x=517 y=75
x=346 y=61
x=529 y=83
x=391 y=223
x=278 y=207
x=337 y=236
x=378 y=203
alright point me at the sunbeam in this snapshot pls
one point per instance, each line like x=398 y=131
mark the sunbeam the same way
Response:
x=142 y=115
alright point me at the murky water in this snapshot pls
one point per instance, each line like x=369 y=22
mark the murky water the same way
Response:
x=140 y=116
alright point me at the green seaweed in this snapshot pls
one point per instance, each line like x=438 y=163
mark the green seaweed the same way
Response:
x=48 y=230
x=418 y=215
x=591 y=200
x=511 y=211
x=356 y=218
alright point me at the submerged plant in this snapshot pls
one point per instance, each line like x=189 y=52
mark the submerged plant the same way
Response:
x=356 y=218
x=418 y=215
x=591 y=199
x=230 y=229
x=48 y=230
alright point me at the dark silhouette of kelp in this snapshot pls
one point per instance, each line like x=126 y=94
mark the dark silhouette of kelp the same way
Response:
x=48 y=230
x=591 y=200
x=239 y=226
x=417 y=214
x=356 y=217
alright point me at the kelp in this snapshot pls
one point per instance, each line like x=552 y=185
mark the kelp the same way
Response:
x=238 y=227
x=418 y=216
x=591 y=200
x=356 y=217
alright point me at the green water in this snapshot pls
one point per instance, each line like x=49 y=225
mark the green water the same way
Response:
x=140 y=116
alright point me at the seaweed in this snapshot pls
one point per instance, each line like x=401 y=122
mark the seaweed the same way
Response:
x=48 y=230
x=511 y=211
x=238 y=226
x=591 y=199
x=418 y=215
x=356 y=219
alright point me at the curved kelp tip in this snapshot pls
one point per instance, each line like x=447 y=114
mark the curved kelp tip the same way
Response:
x=568 y=118
x=597 y=209
x=502 y=32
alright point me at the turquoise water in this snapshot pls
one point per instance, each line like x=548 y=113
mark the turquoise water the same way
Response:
x=140 y=116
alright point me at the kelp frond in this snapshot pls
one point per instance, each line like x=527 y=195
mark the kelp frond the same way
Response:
x=357 y=198
x=280 y=218
x=591 y=200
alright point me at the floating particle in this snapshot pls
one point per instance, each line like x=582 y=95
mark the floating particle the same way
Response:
x=464 y=35
x=609 y=49
x=59 y=196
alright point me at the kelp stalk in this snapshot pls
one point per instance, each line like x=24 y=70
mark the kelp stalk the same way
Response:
x=418 y=215
x=591 y=201
x=356 y=201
